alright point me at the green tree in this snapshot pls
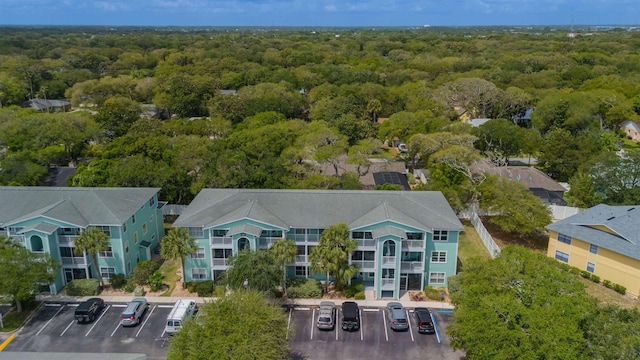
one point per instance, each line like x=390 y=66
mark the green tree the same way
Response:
x=284 y=252
x=177 y=245
x=91 y=241
x=515 y=209
x=530 y=307
x=257 y=270
x=331 y=256
x=622 y=329
x=243 y=325
x=116 y=115
x=23 y=271
x=499 y=140
x=613 y=179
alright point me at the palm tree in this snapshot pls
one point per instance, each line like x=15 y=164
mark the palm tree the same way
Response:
x=331 y=256
x=91 y=241
x=284 y=252
x=177 y=245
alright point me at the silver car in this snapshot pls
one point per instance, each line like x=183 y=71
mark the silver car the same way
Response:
x=397 y=316
x=327 y=316
x=132 y=314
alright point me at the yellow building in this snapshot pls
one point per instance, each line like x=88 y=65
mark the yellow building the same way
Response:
x=603 y=240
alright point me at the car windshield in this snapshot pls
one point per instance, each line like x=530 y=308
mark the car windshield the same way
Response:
x=401 y=321
x=127 y=315
x=324 y=319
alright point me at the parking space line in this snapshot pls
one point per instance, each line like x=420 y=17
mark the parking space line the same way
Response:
x=386 y=333
x=68 y=326
x=145 y=320
x=116 y=329
x=53 y=304
x=372 y=310
x=435 y=326
x=289 y=324
x=165 y=306
x=313 y=320
x=47 y=323
x=96 y=322
x=335 y=325
x=410 y=330
x=361 y=330
x=301 y=308
x=119 y=305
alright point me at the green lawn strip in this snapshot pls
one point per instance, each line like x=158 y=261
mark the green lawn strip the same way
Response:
x=470 y=245
x=13 y=320
x=168 y=270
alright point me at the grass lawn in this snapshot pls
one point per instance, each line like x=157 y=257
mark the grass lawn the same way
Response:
x=14 y=320
x=168 y=270
x=608 y=296
x=470 y=245
x=630 y=145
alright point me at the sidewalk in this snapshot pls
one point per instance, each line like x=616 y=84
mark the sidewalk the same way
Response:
x=294 y=302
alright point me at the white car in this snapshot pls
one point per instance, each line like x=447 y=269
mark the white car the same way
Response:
x=327 y=315
x=402 y=147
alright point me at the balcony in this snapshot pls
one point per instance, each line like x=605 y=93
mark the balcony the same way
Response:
x=66 y=240
x=221 y=242
x=18 y=239
x=411 y=266
x=387 y=283
x=366 y=243
x=265 y=243
x=389 y=261
x=365 y=265
x=217 y=262
x=413 y=244
x=301 y=259
x=76 y=260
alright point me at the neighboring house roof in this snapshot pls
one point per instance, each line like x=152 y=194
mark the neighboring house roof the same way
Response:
x=42 y=104
x=392 y=177
x=630 y=125
x=426 y=210
x=367 y=180
x=477 y=122
x=229 y=92
x=622 y=224
x=78 y=206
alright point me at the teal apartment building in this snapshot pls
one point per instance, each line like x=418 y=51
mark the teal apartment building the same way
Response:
x=47 y=220
x=406 y=240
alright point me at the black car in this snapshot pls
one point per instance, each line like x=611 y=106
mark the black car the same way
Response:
x=424 y=321
x=88 y=310
x=350 y=316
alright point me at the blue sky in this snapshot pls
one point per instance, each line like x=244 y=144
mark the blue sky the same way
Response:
x=319 y=12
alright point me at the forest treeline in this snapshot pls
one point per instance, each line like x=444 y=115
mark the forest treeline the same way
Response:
x=263 y=108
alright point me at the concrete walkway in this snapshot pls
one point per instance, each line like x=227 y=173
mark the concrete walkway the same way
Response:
x=294 y=302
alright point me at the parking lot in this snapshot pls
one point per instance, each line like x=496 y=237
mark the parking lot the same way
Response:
x=374 y=339
x=53 y=329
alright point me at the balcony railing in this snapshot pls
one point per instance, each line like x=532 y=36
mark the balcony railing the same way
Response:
x=265 y=243
x=18 y=238
x=387 y=282
x=301 y=259
x=388 y=260
x=366 y=243
x=365 y=265
x=411 y=265
x=413 y=244
x=220 y=262
x=66 y=240
x=221 y=241
x=76 y=260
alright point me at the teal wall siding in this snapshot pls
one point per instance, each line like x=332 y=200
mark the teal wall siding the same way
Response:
x=191 y=263
x=449 y=267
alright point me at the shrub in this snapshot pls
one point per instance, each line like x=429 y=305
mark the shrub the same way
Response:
x=432 y=293
x=607 y=283
x=308 y=289
x=276 y=293
x=585 y=274
x=117 y=281
x=155 y=281
x=205 y=288
x=352 y=289
x=619 y=288
x=144 y=270
x=130 y=285
x=219 y=291
x=359 y=295
x=191 y=286
x=83 y=287
x=595 y=278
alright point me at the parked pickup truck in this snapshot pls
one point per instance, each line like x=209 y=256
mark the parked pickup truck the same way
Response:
x=88 y=310
x=350 y=316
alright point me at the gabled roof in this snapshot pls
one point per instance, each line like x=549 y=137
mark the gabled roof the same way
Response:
x=389 y=230
x=319 y=208
x=41 y=226
x=622 y=223
x=77 y=206
x=631 y=125
x=42 y=104
x=529 y=176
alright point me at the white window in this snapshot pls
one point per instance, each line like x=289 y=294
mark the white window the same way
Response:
x=133 y=218
x=199 y=274
x=107 y=272
x=124 y=227
x=440 y=235
x=564 y=239
x=591 y=267
x=105 y=229
x=152 y=201
x=301 y=271
x=126 y=247
x=196 y=232
x=437 y=278
x=106 y=254
x=144 y=228
x=593 y=249
x=198 y=254
x=135 y=237
x=438 y=256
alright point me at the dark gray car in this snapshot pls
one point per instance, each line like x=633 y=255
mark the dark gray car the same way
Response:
x=397 y=316
x=132 y=314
